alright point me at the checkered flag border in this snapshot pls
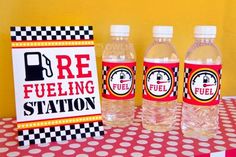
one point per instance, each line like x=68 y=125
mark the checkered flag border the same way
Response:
x=144 y=73
x=134 y=71
x=186 y=77
x=220 y=75
x=104 y=75
x=176 y=77
x=59 y=133
x=44 y=33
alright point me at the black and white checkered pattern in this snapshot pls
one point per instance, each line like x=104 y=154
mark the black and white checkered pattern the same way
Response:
x=186 y=77
x=34 y=33
x=175 y=88
x=105 y=70
x=144 y=74
x=59 y=133
x=134 y=71
x=220 y=75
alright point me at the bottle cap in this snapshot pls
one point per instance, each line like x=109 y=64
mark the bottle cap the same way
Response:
x=120 y=30
x=162 y=31
x=205 y=31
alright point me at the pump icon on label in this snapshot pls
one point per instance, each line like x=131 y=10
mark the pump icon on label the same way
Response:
x=34 y=66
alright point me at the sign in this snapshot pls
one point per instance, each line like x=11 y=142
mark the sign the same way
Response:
x=56 y=86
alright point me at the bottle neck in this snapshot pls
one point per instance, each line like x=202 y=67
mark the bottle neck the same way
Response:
x=120 y=38
x=204 y=40
x=161 y=39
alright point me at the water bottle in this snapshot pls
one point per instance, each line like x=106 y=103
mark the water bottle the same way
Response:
x=160 y=82
x=118 y=75
x=201 y=94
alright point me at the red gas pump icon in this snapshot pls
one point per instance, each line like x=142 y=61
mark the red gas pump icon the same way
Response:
x=34 y=68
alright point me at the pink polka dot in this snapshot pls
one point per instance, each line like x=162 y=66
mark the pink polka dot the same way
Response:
x=2 y=130
x=82 y=155
x=204 y=150
x=172 y=149
x=118 y=130
x=111 y=141
x=115 y=135
x=133 y=128
x=49 y=154
x=121 y=150
x=3 y=149
x=93 y=143
x=137 y=154
x=172 y=143
x=159 y=134
x=74 y=145
x=158 y=139
x=125 y=144
x=34 y=151
x=107 y=146
x=143 y=136
x=9 y=134
x=142 y=142
x=3 y=140
x=173 y=137
x=170 y=155
x=146 y=131
x=8 y=126
x=88 y=149
x=23 y=147
x=11 y=154
x=69 y=152
x=102 y=153
x=187 y=146
x=131 y=133
x=156 y=145
x=187 y=153
x=55 y=148
x=7 y=119
x=139 y=148
x=14 y=121
x=154 y=152
x=11 y=143
x=127 y=138
x=81 y=140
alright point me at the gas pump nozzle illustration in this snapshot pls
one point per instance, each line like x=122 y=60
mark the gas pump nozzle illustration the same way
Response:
x=34 y=68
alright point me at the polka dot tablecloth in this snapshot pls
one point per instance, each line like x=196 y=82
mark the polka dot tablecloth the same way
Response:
x=132 y=140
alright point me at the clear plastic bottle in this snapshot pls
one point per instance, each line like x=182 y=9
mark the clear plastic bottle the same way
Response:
x=161 y=65
x=119 y=68
x=202 y=85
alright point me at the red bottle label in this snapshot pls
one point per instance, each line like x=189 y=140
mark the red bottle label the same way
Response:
x=202 y=84
x=118 y=80
x=160 y=81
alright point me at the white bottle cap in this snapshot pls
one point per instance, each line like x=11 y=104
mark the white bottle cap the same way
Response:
x=120 y=30
x=162 y=31
x=205 y=31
